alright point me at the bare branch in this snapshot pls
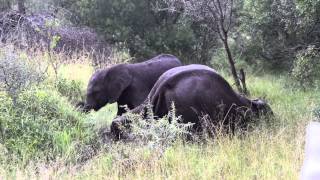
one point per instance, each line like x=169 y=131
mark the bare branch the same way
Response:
x=230 y=16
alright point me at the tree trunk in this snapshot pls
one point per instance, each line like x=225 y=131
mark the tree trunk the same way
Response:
x=5 y=5
x=21 y=7
x=231 y=63
x=242 y=77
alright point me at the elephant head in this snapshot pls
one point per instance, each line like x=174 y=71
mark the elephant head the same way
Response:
x=106 y=86
x=261 y=107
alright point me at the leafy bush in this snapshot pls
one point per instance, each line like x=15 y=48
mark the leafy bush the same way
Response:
x=43 y=125
x=306 y=70
x=156 y=133
x=71 y=89
x=316 y=112
x=159 y=133
x=139 y=26
x=16 y=73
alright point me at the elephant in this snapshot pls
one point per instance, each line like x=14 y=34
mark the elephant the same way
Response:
x=126 y=84
x=197 y=91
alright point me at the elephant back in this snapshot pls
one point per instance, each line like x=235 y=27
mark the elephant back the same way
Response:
x=177 y=72
x=149 y=71
x=171 y=77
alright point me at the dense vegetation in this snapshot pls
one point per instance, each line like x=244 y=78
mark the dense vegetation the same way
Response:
x=269 y=35
x=43 y=135
x=271 y=31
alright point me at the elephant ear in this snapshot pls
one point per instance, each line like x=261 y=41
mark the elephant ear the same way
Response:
x=117 y=80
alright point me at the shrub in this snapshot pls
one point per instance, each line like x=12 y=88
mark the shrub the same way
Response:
x=71 y=89
x=156 y=133
x=43 y=125
x=316 y=112
x=16 y=73
x=306 y=69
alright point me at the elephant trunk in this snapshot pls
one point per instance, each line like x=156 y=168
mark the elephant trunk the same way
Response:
x=261 y=108
x=83 y=107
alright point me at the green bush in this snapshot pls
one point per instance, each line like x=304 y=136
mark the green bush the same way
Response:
x=43 y=125
x=17 y=73
x=145 y=31
x=316 y=112
x=306 y=69
x=156 y=133
x=71 y=89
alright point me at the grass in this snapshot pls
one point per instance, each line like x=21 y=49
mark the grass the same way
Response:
x=258 y=157
x=274 y=152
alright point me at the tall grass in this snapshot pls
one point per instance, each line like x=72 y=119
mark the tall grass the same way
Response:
x=267 y=152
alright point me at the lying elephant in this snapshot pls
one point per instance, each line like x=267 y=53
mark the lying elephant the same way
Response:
x=197 y=90
x=126 y=84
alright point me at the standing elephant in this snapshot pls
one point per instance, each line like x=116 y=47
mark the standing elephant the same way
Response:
x=197 y=90
x=126 y=84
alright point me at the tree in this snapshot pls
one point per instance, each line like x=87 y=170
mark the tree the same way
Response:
x=216 y=15
x=274 y=28
x=5 y=5
x=21 y=6
x=146 y=32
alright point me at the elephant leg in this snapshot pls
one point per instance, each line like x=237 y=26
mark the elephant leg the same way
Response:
x=122 y=108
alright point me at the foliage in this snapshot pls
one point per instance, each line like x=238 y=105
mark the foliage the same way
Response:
x=271 y=32
x=158 y=133
x=218 y=17
x=274 y=31
x=310 y=10
x=5 y=5
x=306 y=69
x=71 y=89
x=17 y=73
x=53 y=34
x=145 y=31
x=316 y=112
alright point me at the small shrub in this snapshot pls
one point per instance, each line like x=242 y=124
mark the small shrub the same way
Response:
x=316 y=112
x=306 y=69
x=157 y=133
x=71 y=89
x=17 y=73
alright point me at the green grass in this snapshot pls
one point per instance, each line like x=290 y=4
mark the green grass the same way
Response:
x=268 y=152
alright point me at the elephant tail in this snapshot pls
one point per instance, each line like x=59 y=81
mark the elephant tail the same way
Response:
x=160 y=108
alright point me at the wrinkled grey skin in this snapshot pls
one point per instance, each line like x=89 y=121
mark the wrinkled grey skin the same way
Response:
x=126 y=84
x=197 y=90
